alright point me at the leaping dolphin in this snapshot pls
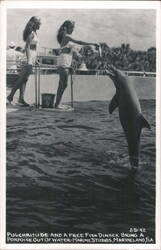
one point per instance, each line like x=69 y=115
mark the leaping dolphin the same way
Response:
x=130 y=114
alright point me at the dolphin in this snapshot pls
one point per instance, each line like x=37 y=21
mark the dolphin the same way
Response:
x=131 y=117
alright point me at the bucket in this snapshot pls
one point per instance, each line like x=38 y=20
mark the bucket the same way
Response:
x=47 y=100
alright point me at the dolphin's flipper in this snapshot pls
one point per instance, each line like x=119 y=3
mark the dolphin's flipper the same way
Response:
x=144 y=122
x=114 y=103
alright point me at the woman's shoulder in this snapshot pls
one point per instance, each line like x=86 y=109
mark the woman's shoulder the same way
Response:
x=31 y=35
x=65 y=41
x=34 y=37
x=67 y=38
x=29 y=38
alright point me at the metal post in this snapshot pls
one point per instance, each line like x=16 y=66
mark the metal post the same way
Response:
x=35 y=85
x=71 y=89
x=38 y=87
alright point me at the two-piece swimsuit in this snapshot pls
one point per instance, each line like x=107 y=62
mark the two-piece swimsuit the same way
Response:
x=65 y=58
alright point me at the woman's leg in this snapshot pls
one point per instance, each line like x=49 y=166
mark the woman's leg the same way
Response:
x=22 y=92
x=63 y=80
x=23 y=77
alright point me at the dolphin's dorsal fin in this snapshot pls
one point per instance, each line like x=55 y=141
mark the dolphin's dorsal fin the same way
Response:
x=144 y=122
x=114 y=103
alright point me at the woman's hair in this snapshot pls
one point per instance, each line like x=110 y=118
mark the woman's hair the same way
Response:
x=64 y=28
x=30 y=26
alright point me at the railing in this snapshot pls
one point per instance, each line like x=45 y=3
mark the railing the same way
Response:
x=45 y=69
x=13 y=66
x=51 y=67
x=140 y=73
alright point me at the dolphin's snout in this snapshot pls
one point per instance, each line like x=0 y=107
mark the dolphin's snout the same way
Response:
x=111 y=70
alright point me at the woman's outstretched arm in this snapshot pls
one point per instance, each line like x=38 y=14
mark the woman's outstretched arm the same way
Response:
x=68 y=38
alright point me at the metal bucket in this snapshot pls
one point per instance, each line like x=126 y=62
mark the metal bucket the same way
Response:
x=47 y=100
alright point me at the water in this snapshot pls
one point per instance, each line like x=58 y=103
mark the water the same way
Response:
x=68 y=172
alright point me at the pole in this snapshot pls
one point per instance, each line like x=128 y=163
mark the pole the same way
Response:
x=35 y=85
x=71 y=89
x=38 y=88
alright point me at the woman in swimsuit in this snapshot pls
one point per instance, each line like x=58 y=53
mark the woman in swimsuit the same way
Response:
x=31 y=40
x=67 y=44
